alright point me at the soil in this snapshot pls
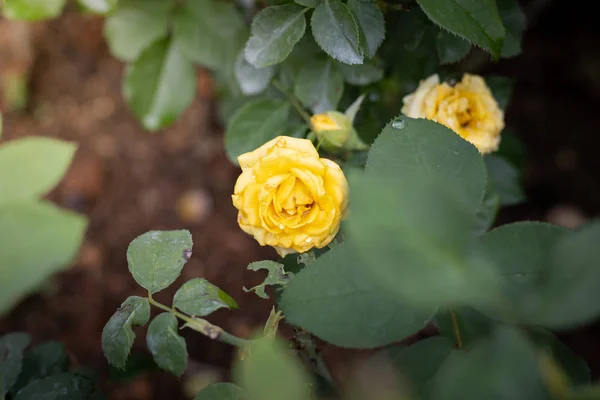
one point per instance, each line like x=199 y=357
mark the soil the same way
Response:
x=128 y=181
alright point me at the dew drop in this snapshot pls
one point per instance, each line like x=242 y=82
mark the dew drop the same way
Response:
x=308 y=240
x=398 y=123
x=281 y=226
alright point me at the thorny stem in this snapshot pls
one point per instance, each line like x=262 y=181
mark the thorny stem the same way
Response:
x=202 y=326
x=456 y=329
x=293 y=100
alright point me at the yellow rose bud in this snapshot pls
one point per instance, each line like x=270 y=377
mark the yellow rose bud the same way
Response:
x=288 y=197
x=334 y=131
x=468 y=108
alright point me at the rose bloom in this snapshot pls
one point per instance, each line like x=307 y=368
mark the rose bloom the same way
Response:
x=468 y=108
x=288 y=197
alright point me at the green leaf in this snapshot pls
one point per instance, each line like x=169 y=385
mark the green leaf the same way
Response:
x=472 y=325
x=569 y=294
x=415 y=234
x=505 y=179
x=251 y=80
x=221 y=391
x=12 y=347
x=167 y=347
x=584 y=393
x=361 y=75
x=270 y=372
x=308 y=3
x=336 y=299
x=407 y=146
x=98 y=6
x=32 y=10
x=501 y=88
x=276 y=276
x=419 y=363
x=336 y=31
x=514 y=23
x=117 y=335
x=63 y=386
x=156 y=258
x=198 y=298
x=520 y=252
x=488 y=209
x=160 y=85
x=134 y=25
x=501 y=367
x=575 y=368
x=254 y=124
x=31 y=167
x=209 y=32
x=370 y=23
x=451 y=48
x=41 y=361
x=477 y=21
x=36 y=240
x=274 y=32
x=319 y=86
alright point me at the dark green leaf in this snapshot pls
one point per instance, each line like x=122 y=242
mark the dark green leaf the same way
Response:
x=514 y=23
x=160 y=85
x=276 y=276
x=569 y=295
x=251 y=80
x=209 y=32
x=584 y=393
x=37 y=239
x=135 y=25
x=451 y=48
x=371 y=25
x=31 y=167
x=419 y=363
x=336 y=299
x=198 y=298
x=308 y=3
x=520 y=252
x=270 y=372
x=407 y=146
x=336 y=31
x=156 y=258
x=32 y=10
x=167 y=347
x=254 y=124
x=221 y=391
x=501 y=88
x=477 y=21
x=275 y=31
x=472 y=325
x=573 y=366
x=361 y=75
x=501 y=367
x=512 y=149
x=117 y=335
x=320 y=85
x=41 y=361
x=505 y=180
x=488 y=209
x=63 y=386
x=415 y=234
x=12 y=347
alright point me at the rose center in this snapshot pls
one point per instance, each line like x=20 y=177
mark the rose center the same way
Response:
x=294 y=197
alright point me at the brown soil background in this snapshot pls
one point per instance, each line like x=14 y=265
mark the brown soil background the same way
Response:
x=128 y=181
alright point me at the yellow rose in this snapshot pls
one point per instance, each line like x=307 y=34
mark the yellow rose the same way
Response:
x=288 y=197
x=468 y=108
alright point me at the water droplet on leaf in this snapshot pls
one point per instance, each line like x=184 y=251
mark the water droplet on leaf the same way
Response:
x=398 y=123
